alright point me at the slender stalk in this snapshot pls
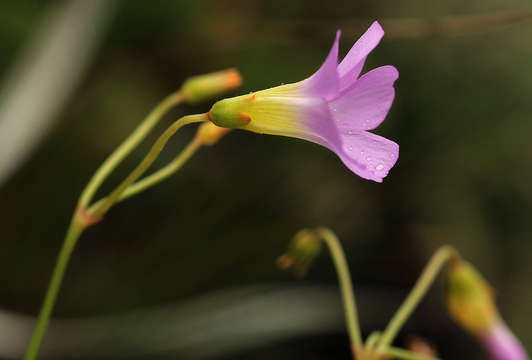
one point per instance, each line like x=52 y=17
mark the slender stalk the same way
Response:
x=129 y=144
x=406 y=355
x=348 y=296
x=372 y=339
x=73 y=233
x=98 y=211
x=159 y=175
x=163 y=173
x=438 y=260
x=82 y=218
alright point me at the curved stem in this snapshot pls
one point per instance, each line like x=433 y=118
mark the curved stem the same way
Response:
x=98 y=211
x=159 y=175
x=438 y=260
x=348 y=296
x=372 y=339
x=129 y=144
x=73 y=233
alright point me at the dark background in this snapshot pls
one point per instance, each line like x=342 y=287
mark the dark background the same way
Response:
x=464 y=176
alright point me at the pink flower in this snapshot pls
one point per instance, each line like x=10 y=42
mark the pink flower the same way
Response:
x=334 y=108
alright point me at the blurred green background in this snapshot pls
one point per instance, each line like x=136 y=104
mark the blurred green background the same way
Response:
x=464 y=176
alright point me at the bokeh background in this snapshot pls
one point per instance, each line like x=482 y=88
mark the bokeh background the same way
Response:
x=210 y=235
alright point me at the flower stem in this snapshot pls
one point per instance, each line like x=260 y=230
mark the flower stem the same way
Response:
x=159 y=175
x=372 y=339
x=406 y=355
x=129 y=144
x=82 y=218
x=348 y=296
x=438 y=260
x=101 y=208
x=73 y=233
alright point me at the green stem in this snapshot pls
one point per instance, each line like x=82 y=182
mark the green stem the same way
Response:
x=406 y=355
x=348 y=296
x=101 y=209
x=163 y=173
x=372 y=339
x=73 y=233
x=159 y=175
x=129 y=144
x=438 y=260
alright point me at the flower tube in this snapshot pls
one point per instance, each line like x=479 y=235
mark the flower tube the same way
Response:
x=335 y=107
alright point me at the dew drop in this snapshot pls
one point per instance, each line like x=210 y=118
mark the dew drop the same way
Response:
x=350 y=132
x=368 y=158
x=379 y=167
x=350 y=148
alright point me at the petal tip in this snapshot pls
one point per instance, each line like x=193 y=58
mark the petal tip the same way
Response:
x=393 y=71
x=377 y=28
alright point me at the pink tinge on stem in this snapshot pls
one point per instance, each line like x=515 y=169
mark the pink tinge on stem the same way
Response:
x=501 y=344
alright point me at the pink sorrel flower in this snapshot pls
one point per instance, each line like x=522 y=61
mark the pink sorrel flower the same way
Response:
x=334 y=108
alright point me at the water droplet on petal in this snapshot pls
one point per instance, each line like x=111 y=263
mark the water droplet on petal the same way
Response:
x=350 y=148
x=368 y=158
x=350 y=132
x=379 y=167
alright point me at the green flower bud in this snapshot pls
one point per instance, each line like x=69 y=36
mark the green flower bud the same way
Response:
x=205 y=87
x=302 y=251
x=469 y=298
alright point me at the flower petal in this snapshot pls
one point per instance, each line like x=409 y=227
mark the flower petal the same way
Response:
x=365 y=104
x=324 y=83
x=368 y=155
x=352 y=64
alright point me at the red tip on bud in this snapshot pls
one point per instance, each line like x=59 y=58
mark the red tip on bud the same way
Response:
x=208 y=86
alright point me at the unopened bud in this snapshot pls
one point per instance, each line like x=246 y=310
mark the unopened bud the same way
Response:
x=302 y=251
x=205 y=87
x=470 y=303
x=469 y=298
x=209 y=134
